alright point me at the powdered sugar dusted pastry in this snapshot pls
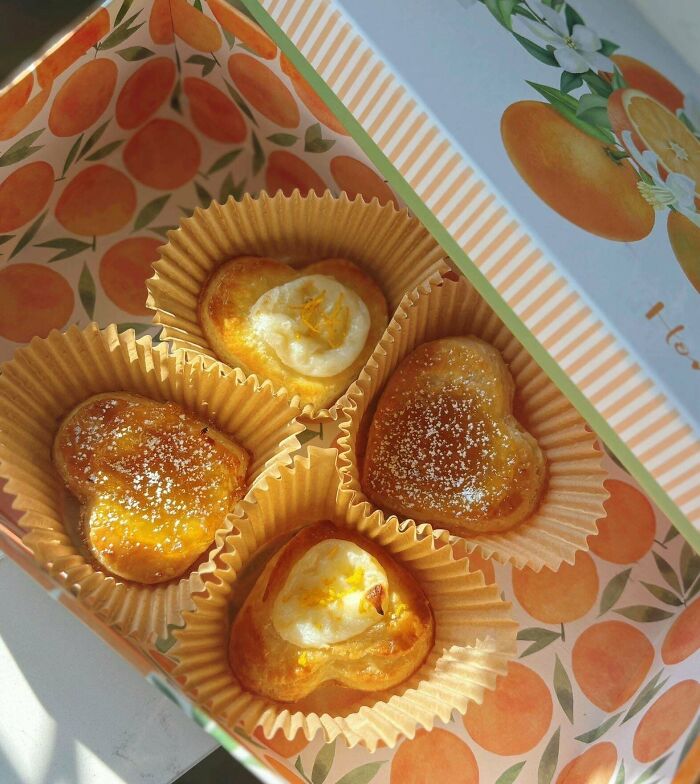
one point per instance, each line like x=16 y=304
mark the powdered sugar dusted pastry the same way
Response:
x=444 y=447
x=331 y=606
x=155 y=483
x=310 y=330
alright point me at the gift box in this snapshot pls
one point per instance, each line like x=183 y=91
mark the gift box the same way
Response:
x=147 y=110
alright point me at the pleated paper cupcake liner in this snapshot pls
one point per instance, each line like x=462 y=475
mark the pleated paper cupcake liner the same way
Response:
x=47 y=379
x=474 y=632
x=386 y=243
x=574 y=494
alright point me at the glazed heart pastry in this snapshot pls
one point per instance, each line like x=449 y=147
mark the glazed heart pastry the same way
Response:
x=330 y=606
x=310 y=330
x=154 y=483
x=444 y=447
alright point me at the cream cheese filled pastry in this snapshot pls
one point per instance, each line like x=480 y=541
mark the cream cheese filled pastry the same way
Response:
x=310 y=330
x=154 y=483
x=330 y=607
x=443 y=446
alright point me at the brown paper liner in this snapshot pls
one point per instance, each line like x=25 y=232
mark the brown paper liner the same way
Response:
x=391 y=246
x=474 y=633
x=573 y=498
x=48 y=378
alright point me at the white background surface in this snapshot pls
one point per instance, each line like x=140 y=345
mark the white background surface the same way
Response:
x=72 y=711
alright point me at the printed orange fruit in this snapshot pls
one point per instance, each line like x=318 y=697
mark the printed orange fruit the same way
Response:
x=417 y=761
x=73 y=48
x=145 y=91
x=683 y=638
x=356 y=178
x=285 y=172
x=160 y=22
x=15 y=97
x=561 y=596
x=193 y=27
x=34 y=299
x=83 y=98
x=310 y=98
x=643 y=77
x=627 y=532
x=477 y=563
x=654 y=128
x=280 y=744
x=594 y=766
x=610 y=661
x=244 y=29
x=514 y=717
x=214 y=113
x=264 y=90
x=684 y=236
x=23 y=195
x=99 y=200
x=666 y=720
x=13 y=124
x=163 y=154
x=124 y=269
x=282 y=770
x=573 y=173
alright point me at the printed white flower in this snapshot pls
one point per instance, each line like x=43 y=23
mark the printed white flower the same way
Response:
x=677 y=190
x=691 y=109
x=576 y=51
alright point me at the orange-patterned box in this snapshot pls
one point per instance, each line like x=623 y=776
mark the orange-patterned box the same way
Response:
x=151 y=108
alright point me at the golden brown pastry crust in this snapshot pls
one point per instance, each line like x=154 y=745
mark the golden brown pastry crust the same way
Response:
x=224 y=314
x=444 y=447
x=154 y=482
x=386 y=654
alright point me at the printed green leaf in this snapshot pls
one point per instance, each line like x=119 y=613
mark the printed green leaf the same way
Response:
x=541 y=638
x=21 y=149
x=230 y=38
x=671 y=534
x=175 y=98
x=645 y=695
x=618 y=81
x=649 y=772
x=613 y=590
x=103 y=152
x=123 y=11
x=690 y=739
x=28 y=235
x=207 y=63
x=572 y=17
x=92 y=141
x=683 y=117
x=597 y=84
x=620 y=778
x=662 y=594
x=205 y=198
x=323 y=762
x=543 y=55
x=598 y=732
x=314 y=141
x=298 y=764
x=230 y=188
x=71 y=154
x=510 y=775
x=569 y=81
x=198 y=5
x=309 y=435
x=258 y=154
x=593 y=109
x=691 y=593
x=548 y=763
x=242 y=105
x=66 y=246
x=607 y=47
x=502 y=10
x=563 y=689
x=362 y=775
x=162 y=231
x=666 y=571
x=5 y=238
x=150 y=211
x=689 y=565
x=283 y=139
x=86 y=290
x=133 y=53
x=566 y=106
x=223 y=161
x=644 y=614
x=140 y=329
x=121 y=33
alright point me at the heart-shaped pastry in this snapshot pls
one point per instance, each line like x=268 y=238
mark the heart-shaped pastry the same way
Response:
x=310 y=330
x=443 y=446
x=330 y=607
x=154 y=482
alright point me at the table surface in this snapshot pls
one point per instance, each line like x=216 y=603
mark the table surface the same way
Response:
x=58 y=722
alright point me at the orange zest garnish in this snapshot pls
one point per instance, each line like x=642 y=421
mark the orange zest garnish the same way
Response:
x=331 y=327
